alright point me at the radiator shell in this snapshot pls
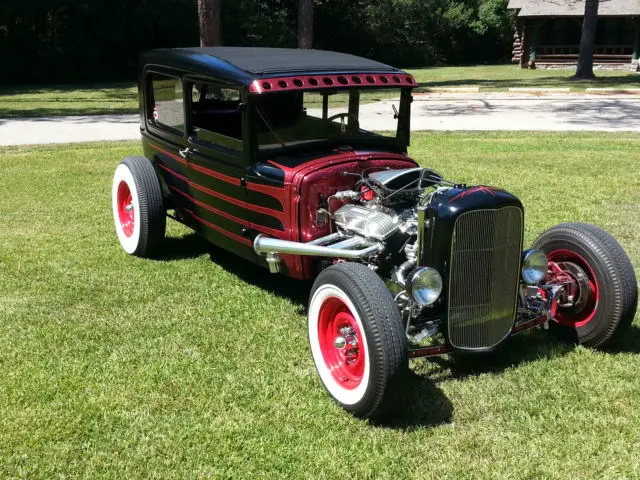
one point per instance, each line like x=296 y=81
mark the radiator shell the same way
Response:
x=436 y=250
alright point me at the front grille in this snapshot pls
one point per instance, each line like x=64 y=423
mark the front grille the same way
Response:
x=485 y=263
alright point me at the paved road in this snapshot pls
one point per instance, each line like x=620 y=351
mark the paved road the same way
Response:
x=491 y=111
x=27 y=131
x=522 y=112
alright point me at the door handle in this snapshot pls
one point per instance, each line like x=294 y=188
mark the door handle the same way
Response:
x=184 y=153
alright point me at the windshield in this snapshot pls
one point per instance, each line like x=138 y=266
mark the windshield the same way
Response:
x=292 y=118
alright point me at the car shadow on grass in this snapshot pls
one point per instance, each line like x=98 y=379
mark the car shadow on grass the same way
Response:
x=297 y=291
x=419 y=403
x=514 y=352
x=422 y=403
x=193 y=245
x=190 y=245
x=629 y=342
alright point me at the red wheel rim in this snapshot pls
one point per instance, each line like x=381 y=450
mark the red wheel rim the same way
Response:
x=335 y=321
x=567 y=316
x=126 y=214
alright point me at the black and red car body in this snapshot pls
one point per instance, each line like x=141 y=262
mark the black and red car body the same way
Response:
x=268 y=154
x=232 y=195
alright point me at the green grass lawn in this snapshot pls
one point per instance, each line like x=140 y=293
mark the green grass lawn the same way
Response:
x=57 y=100
x=40 y=101
x=501 y=77
x=197 y=366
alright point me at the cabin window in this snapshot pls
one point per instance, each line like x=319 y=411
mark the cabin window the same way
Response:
x=215 y=115
x=167 y=107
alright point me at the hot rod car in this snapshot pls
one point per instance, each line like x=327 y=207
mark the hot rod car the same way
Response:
x=271 y=154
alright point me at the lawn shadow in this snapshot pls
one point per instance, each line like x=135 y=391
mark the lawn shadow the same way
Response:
x=550 y=81
x=48 y=114
x=419 y=403
x=64 y=88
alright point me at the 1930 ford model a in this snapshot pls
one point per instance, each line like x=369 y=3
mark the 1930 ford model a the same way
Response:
x=270 y=154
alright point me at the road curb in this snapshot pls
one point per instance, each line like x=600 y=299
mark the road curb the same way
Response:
x=451 y=90
x=626 y=91
x=539 y=90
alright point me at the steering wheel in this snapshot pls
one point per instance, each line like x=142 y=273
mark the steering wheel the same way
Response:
x=356 y=123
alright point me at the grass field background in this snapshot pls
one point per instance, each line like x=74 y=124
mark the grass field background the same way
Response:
x=492 y=78
x=116 y=98
x=197 y=365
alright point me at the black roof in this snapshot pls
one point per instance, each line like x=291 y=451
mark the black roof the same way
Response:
x=245 y=64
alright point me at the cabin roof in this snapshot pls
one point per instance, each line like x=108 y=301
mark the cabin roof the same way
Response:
x=573 y=8
x=245 y=64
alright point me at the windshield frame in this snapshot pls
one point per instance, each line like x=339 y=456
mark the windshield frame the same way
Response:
x=397 y=144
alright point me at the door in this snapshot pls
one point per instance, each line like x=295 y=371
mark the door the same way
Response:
x=217 y=191
x=165 y=134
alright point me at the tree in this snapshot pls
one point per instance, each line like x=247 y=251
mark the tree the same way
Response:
x=305 y=24
x=587 y=41
x=209 y=16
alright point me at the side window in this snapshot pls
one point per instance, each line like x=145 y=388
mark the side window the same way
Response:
x=215 y=115
x=167 y=103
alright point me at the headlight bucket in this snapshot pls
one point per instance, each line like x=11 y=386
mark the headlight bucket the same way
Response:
x=424 y=285
x=534 y=266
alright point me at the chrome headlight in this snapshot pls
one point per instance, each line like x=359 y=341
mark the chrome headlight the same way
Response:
x=424 y=285
x=534 y=266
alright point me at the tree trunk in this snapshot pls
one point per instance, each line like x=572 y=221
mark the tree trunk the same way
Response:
x=209 y=16
x=305 y=24
x=587 y=41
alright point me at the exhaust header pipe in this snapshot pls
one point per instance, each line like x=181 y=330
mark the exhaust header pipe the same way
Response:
x=271 y=247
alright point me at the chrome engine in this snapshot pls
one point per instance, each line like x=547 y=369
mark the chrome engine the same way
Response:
x=476 y=243
x=370 y=223
x=369 y=228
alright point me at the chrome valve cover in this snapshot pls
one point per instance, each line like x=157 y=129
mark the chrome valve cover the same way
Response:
x=366 y=222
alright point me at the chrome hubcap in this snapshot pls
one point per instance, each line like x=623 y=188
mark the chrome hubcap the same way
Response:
x=340 y=342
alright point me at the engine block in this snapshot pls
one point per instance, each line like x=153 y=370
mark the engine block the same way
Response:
x=366 y=222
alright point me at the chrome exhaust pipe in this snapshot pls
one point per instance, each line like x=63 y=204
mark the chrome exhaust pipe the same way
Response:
x=271 y=247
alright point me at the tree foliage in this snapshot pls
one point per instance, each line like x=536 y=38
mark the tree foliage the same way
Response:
x=45 y=41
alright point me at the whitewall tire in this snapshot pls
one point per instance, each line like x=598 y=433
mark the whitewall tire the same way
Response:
x=357 y=338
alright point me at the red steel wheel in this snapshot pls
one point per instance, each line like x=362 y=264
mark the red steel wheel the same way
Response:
x=588 y=290
x=357 y=338
x=605 y=292
x=341 y=343
x=126 y=212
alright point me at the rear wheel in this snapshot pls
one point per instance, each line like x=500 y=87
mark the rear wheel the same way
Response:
x=138 y=208
x=605 y=292
x=357 y=339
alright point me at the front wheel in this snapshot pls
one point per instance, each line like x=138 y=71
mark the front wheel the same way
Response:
x=357 y=338
x=606 y=294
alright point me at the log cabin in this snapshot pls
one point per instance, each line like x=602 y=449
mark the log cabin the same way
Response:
x=547 y=33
